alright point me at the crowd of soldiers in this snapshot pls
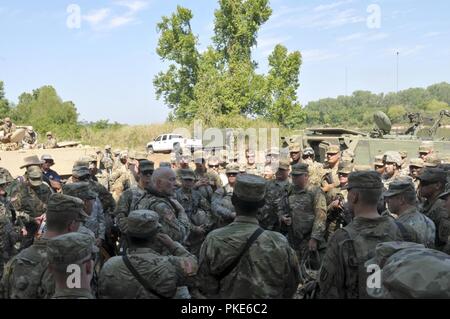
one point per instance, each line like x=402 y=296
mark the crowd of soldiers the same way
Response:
x=211 y=226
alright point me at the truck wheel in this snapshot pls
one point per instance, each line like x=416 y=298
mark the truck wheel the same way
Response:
x=150 y=150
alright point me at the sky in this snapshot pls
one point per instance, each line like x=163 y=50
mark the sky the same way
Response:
x=106 y=63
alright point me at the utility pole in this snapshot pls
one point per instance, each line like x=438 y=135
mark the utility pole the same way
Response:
x=398 y=58
x=346 y=81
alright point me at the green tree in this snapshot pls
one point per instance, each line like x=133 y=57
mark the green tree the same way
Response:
x=440 y=92
x=435 y=106
x=4 y=104
x=396 y=113
x=283 y=83
x=177 y=44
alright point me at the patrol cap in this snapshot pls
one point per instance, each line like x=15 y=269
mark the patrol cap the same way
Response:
x=403 y=154
x=333 y=149
x=49 y=134
x=232 y=168
x=426 y=147
x=116 y=152
x=47 y=157
x=34 y=174
x=64 y=207
x=31 y=160
x=308 y=151
x=213 y=161
x=146 y=165
x=399 y=186
x=80 y=190
x=295 y=148
x=80 y=169
x=108 y=147
x=284 y=165
x=433 y=175
x=416 y=162
x=345 y=168
x=7 y=119
x=300 y=169
x=123 y=154
x=143 y=223
x=187 y=174
x=365 y=180
x=432 y=160
x=378 y=160
x=199 y=157
x=165 y=164
x=444 y=195
x=250 y=188
x=71 y=248
x=392 y=157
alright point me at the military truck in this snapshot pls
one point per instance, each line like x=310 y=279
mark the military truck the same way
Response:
x=367 y=145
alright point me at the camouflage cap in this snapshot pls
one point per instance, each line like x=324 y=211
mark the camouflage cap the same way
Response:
x=378 y=160
x=80 y=190
x=65 y=207
x=165 y=164
x=432 y=160
x=187 y=174
x=445 y=194
x=47 y=157
x=199 y=157
x=116 y=152
x=71 y=248
x=123 y=154
x=140 y=156
x=49 y=134
x=345 y=168
x=364 y=180
x=250 y=188
x=411 y=271
x=426 y=147
x=403 y=154
x=433 y=175
x=143 y=223
x=34 y=174
x=213 y=161
x=80 y=169
x=31 y=160
x=308 y=151
x=333 y=149
x=416 y=162
x=400 y=185
x=295 y=148
x=108 y=147
x=393 y=157
x=232 y=168
x=146 y=165
x=284 y=165
x=300 y=169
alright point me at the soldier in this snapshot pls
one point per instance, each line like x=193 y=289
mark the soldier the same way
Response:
x=432 y=160
x=8 y=130
x=338 y=215
x=378 y=165
x=268 y=173
x=51 y=141
x=402 y=201
x=26 y=276
x=251 y=167
x=343 y=274
x=348 y=156
x=392 y=163
x=276 y=189
x=331 y=180
x=63 y=253
x=415 y=169
x=303 y=213
x=29 y=200
x=221 y=205
x=205 y=177
x=146 y=271
x=30 y=139
x=425 y=149
x=8 y=237
x=315 y=168
x=295 y=153
x=92 y=207
x=197 y=208
x=432 y=185
x=107 y=159
x=446 y=198
x=242 y=260
x=51 y=177
x=97 y=175
x=159 y=198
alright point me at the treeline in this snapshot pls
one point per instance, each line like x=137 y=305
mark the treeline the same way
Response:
x=357 y=110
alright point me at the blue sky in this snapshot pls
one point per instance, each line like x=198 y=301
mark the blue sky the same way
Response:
x=106 y=67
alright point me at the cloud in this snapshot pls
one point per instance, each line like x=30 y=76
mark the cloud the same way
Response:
x=133 y=6
x=363 y=37
x=97 y=16
x=316 y=55
x=325 y=7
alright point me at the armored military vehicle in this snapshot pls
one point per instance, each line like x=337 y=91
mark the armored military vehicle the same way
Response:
x=366 y=146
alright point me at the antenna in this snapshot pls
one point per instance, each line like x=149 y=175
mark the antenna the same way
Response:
x=398 y=58
x=346 y=81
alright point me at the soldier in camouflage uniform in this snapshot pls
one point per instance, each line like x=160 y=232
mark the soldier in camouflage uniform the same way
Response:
x=343 y=274
x=241 y=260
x=378 y=164
x=26 y=275
x=276 y=190
x=197 y=208
x=330 y=178
x=159 y=274
x=425 y=150
x=303 y=213
x=159 y=198
x=315 y=168
x=446 y=198
x=415 y=169
x=29 y=200
x=8 y=236
x=411 y=271
x=30 y=139
x=65 y=251
x=51 y=142
x=221 y=205
x=432 y=185
x=392 y=163
x=338 y=215
x=8 y=128
x=402 y=200
x=251 y=167
x=207 y=180
x=295 y=152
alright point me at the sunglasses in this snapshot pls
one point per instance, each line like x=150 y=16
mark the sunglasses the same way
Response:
x=147 y=173
x=232 y=174
x=213 y=166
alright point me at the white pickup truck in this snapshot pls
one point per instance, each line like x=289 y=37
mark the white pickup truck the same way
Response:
x=172 y=142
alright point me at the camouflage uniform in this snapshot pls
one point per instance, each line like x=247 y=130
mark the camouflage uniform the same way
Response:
x=128 y=202
x=8 y=237
x=268 y=269
x=50 y=143
x=164 y=274
x=316 y=172
x=221 y=205
x=424 y=227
